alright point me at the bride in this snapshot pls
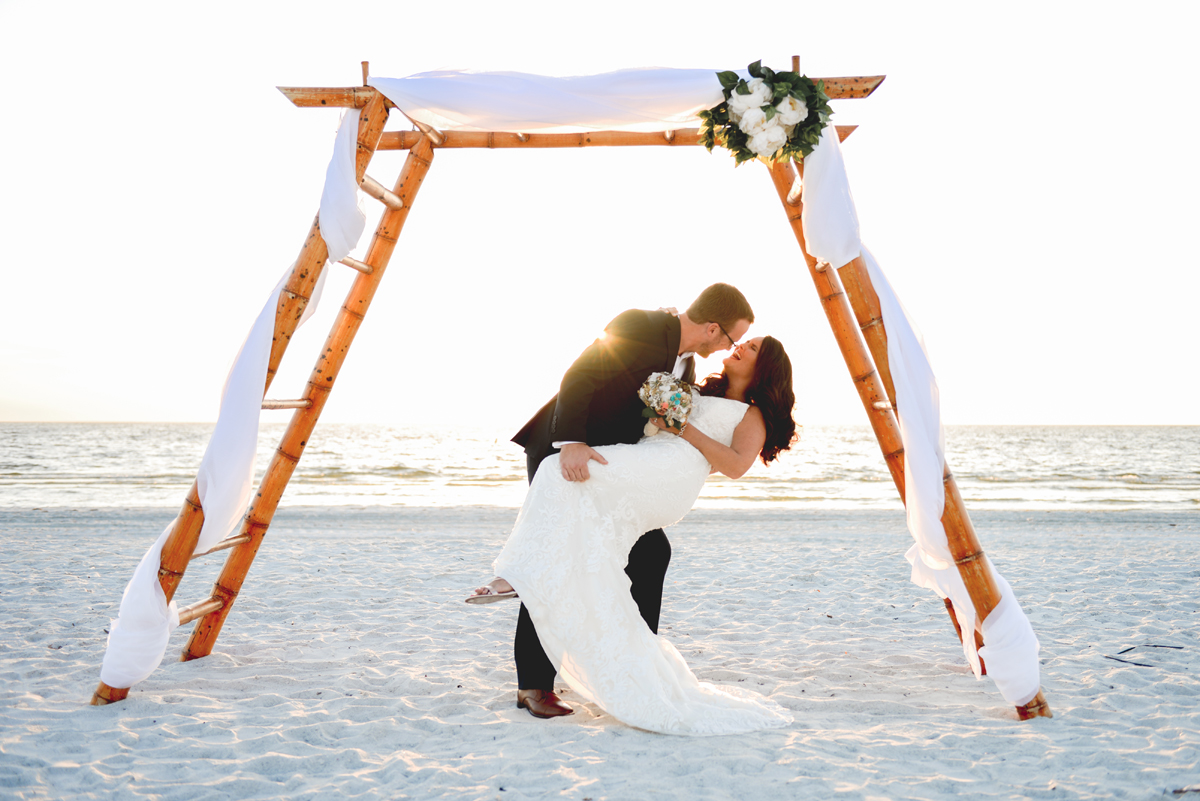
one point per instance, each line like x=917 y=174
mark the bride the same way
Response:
x=567 y=552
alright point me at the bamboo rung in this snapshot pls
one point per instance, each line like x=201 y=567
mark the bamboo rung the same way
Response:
x=431 y=133
x=199 y=610
x=287 y=404
x=794 y=194
x=223 y=545
x=381 y=193
x=358 y=265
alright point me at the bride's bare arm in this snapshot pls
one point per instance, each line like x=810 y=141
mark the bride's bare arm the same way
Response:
x=748 y=439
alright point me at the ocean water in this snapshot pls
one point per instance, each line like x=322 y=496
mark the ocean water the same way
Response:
x=1093 y=468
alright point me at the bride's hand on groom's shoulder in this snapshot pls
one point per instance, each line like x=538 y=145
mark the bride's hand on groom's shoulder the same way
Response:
x=671 y=310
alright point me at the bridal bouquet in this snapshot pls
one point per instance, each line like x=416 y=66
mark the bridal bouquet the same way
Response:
x=775 y=115
x=667 y=398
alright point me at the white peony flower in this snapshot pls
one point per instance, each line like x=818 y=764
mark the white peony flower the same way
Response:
x=759 y=90
x=753 y=121
x=791 y=111
x=768 y=140
x=740 y=104
x=759 y=95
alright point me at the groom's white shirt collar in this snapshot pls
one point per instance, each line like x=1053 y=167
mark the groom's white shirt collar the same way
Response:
x=677 y=371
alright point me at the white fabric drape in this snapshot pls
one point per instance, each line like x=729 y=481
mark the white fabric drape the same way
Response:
x=341 y=218
x=831 y=233
x=138 y=635
x=829 y=216
x=626 y=100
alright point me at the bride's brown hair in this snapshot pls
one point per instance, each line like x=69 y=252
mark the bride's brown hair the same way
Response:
x=771 y=391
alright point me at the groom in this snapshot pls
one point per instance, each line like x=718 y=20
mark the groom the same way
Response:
x=597 y=404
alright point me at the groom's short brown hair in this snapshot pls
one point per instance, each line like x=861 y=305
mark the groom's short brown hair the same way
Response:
x=721 y=304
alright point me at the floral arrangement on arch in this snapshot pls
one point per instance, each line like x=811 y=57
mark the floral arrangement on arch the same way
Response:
x=774 y=115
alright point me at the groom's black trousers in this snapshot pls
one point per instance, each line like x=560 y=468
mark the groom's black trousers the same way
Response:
x=647 y=569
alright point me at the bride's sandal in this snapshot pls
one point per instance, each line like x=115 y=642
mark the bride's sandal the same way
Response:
x=489 y=593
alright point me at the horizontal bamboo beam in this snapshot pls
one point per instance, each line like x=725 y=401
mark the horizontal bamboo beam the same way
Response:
x=381 y=193
x=224 y=544
x=358 y=265
x=849 y=88
x=403 y=140
x=199 y=610
x=316 y=97
x=287 y=404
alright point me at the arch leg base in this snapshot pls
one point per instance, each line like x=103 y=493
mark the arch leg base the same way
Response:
x=108 y=695
x=1037 y=708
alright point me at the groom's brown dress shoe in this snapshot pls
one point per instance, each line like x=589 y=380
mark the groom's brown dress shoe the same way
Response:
x=542 y=703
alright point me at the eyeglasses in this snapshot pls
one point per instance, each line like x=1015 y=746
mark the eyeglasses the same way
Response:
x=732 y=344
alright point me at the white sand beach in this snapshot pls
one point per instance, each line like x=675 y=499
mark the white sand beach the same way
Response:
x=350 y=668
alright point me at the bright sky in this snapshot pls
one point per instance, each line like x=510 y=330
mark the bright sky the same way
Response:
x=1026 y=177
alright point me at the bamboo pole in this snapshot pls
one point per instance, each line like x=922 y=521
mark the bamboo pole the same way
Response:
x=682 y=137
x=863 y=341
x=960 y=533
x=320 y=383
x=181 y=542
x=841 y=318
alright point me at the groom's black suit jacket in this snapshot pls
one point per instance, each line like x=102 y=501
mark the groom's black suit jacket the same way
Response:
x=597 y=402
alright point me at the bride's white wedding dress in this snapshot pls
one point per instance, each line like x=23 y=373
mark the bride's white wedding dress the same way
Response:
x=566 y=558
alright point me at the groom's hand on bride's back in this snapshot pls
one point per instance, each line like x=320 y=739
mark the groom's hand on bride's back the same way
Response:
x=574 y=458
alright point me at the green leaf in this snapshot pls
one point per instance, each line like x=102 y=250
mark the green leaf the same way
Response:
x=743 y=89
x=768 y=74
x=769 y=111
x=755 y=69
x=728 y=78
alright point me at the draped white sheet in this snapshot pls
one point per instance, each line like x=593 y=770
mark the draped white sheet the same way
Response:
x=829 y=216
x=627 y=100
x=341 y=217
x=630 y=100
x=138 y=635
x=831 y=234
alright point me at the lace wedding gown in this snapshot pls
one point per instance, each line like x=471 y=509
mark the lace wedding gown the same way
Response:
x=566 y=558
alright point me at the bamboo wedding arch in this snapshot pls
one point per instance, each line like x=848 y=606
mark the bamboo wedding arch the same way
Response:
x=846 y=294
